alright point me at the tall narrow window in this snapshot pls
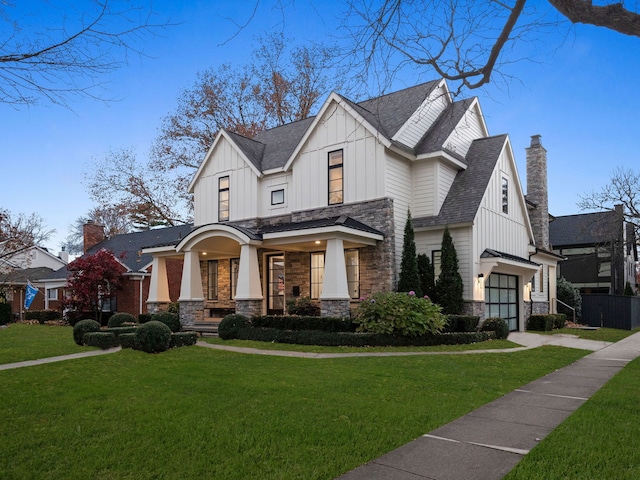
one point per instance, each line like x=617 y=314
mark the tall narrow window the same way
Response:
x=317 y=274
x=336 y=178
x=505 y=195
x=223 y=199
x=235 y=266
x=351 y=260
x=436 y=261
x=212 y=280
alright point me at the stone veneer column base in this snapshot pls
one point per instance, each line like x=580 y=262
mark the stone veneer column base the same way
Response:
x=157 y=307
x=335 y=308
x=249 y=308
x=474 y=308
x=191 y=311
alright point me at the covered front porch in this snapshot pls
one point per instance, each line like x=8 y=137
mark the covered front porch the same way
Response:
x=255 y=272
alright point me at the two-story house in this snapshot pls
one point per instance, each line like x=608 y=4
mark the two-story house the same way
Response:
x=317 y=208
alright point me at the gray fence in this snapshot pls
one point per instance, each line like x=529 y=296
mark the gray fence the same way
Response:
x=614 y=311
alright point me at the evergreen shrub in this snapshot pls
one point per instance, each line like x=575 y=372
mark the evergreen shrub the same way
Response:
x=127 y=340
x=102 y=340
x=497 y=325
x=144 y=317
x=171 y=320
x=82 y=327
x=152 y=337
x=120 y=318
x=394 y=313
x=117 y=331
x=183 y=339
x=303 y=306
x=231 y=325
x=289 y=322
x=5 y=313
x=461 y=323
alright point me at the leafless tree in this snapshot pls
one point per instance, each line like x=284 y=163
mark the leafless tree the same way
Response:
x=462 y=40
x=623 y=189
x=67 y=57
x=114 y=218
x=20 y=231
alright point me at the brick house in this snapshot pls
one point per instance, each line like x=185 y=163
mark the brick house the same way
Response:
x=317 y=208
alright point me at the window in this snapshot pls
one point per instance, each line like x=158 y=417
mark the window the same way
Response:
x=277 y=197
x=352 y=263
x=212 y=280
x=436 y=261
x=52 y=293
x=501 y=297
x=234 y=267
x=505 y=195
x=336 y=178
x=317 y=274
x=223 y=199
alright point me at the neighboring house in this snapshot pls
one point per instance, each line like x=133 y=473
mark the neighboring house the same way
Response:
x=136 y=265
x=318 y=207
x=31 y=264
x=600 y=250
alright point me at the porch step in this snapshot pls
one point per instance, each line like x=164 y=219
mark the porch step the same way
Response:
x=208 y=327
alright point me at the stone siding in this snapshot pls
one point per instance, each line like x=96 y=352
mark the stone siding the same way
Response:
x=249 y=308
x=191 y=312
x=335 y=308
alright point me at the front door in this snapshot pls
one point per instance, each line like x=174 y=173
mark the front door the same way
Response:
x=275 y=285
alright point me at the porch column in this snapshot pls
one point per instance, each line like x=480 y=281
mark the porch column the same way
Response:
x=191 y=297
x=334 y=300
x=158 y=298
x=249 y=290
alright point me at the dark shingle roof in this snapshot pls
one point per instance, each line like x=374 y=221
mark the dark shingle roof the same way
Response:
x=489 y=253
x=20 y=276
x=272 y=148
x=319 y=223
x=467 y=190
x=434 y=139
x=583 y=229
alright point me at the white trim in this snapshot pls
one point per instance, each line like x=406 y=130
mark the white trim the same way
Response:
x=206 y=231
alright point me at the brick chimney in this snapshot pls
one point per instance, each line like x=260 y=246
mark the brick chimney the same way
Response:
x=537 y=192
x=92 y=234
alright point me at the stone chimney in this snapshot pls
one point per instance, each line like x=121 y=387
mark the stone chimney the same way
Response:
x=537 y=193
x=92 y=234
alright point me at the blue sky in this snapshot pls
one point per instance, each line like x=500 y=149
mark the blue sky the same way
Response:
x=579 y=92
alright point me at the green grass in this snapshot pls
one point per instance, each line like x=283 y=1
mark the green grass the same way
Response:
x=598 y=441
x=603 y=334
x=200 y=413
x=20 y=342
x=490 y=345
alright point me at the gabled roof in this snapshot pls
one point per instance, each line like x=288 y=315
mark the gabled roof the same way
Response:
x=584 y=229
x=319 y=223
x=280 y=142
x=467 y=190
x=20 y=276
x=442 y=128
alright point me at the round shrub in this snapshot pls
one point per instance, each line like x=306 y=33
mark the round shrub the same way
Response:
x=171 y=320
x=231 y=324
x=394 y=313
x=152 y=337
x=82 y=327
x=498 y=325
x=118 y=319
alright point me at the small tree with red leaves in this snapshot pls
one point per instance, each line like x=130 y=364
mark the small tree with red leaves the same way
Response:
x=94 y=279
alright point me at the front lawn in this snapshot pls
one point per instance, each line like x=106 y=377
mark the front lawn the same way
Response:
x=200 y=413
x=20 y=342
x=598 y=441
x=602 y=334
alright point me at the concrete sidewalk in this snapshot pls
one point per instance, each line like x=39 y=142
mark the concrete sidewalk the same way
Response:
x=488 y=442
x=72 y=356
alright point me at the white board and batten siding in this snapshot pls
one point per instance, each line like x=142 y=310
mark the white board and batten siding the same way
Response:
x=413 y=130
x=505 y=232
x=399 y=186
x=470 y=127
x=363 y=162
x=223 y=161
x=267 y=185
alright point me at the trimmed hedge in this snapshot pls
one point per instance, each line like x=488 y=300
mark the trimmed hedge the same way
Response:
x=353 y=339
x=83 y=327
x=171 y=320
x=118 y=319
x=117 y=331
x=5 y=313
x=42 y=315
x=497 y=325
x=546 y=323
x=152 y=337
x=102 y=340
x=232 y=324
x=144 y=317
x=289 y=322
x=461 y=323
x=183 y=339
x=127 y=340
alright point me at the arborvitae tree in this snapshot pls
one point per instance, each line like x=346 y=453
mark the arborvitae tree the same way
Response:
x=409 y=276
x=628 y=290
x=568 y=294
x=449 y=287
x=427 y=279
